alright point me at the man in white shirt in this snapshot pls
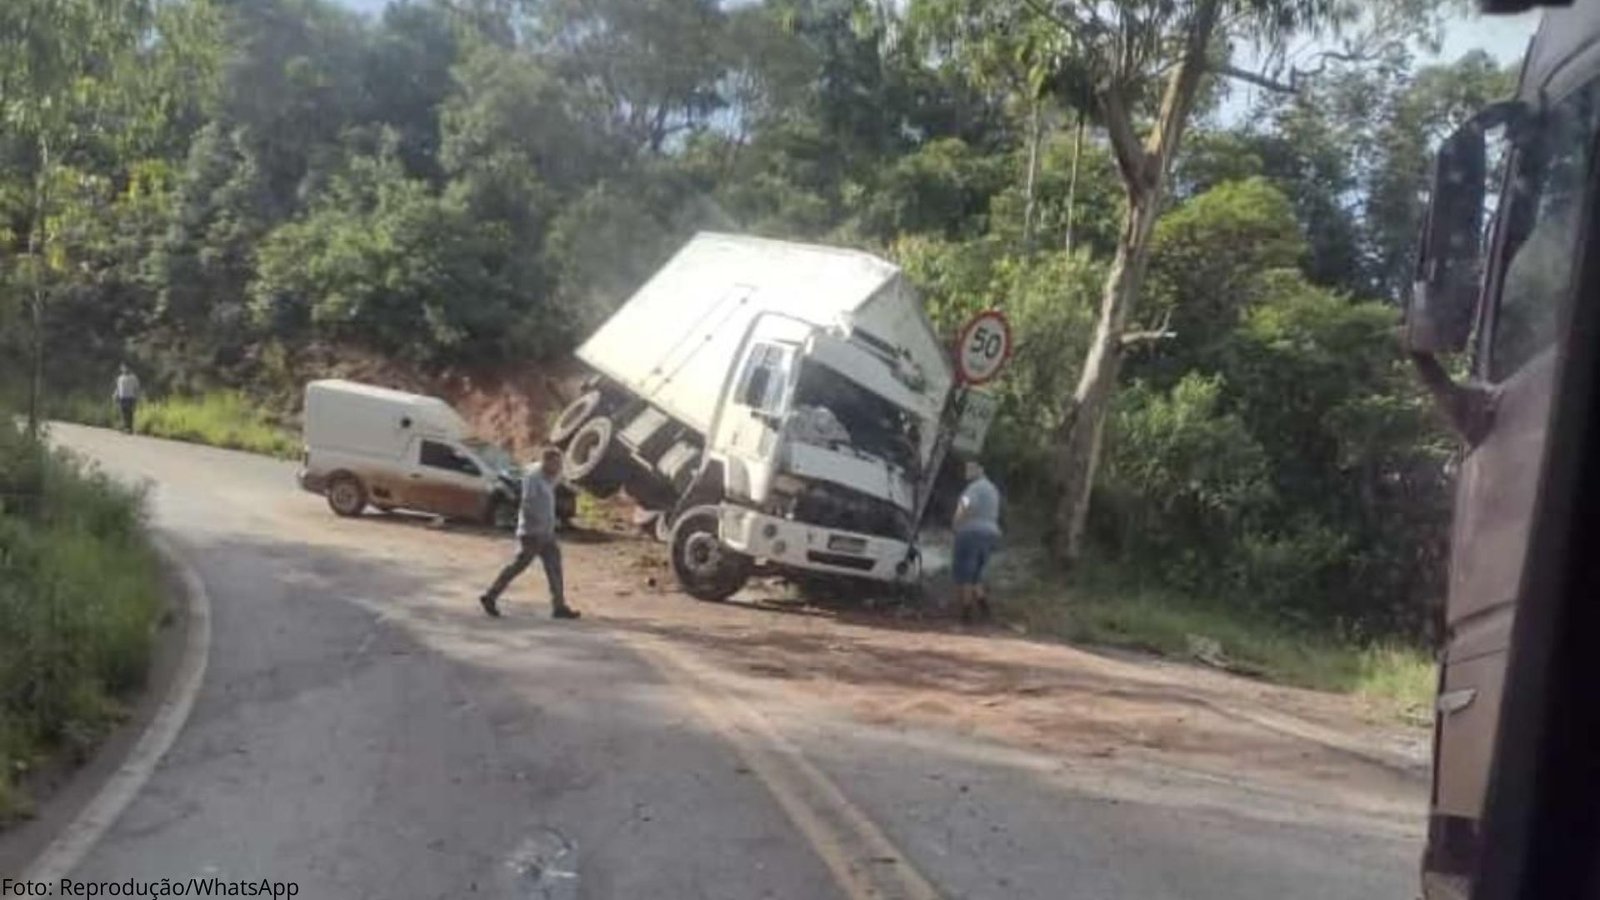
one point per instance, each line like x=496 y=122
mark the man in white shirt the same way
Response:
x=126 y=396
x=977 y=530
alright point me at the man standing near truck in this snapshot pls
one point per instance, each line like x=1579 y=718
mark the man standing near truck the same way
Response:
x=126 y=396
x=977 y=528
x=536 y=537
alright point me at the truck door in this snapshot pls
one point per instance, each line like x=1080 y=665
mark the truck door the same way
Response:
x=444 y=480
x=1499 y=477
x=747 y=427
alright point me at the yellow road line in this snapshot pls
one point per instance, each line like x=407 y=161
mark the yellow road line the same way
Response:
x=864 y=862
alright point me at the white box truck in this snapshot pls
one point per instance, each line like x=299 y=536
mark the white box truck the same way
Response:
x=783 y=406
x=367 y=445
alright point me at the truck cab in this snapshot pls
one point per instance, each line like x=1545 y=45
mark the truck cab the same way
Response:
x=1484 y=328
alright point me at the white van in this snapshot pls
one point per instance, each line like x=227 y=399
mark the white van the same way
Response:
x=368 y=445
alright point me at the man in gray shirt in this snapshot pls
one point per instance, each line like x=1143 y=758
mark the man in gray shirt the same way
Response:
x=536 y=536
x=977 y=529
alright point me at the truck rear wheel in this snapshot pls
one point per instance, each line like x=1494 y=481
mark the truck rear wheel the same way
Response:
x=705 y=568
x=590 y=458
x=346 y=495
x=572 y=418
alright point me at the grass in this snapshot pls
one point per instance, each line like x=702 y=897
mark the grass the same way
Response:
x=221 y=419
x=1398 y=678
x=80 y=595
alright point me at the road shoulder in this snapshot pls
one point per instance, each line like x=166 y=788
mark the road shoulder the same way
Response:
x=75 y=804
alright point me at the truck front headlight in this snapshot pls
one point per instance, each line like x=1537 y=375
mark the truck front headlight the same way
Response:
x=788 y=484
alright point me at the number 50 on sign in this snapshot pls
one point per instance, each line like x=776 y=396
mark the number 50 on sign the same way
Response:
x=984 y=348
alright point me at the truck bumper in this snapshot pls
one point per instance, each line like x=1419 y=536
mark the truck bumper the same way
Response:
x=315 y=482
x=790 y=544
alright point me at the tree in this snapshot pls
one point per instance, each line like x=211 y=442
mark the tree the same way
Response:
x=81 y=80
x=655 y=62
x=1144 y=66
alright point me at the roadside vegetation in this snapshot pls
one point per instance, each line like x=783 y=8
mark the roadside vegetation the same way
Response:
x=1398 y=678
x=225 y=419
x=80 y=596
x=223 y=194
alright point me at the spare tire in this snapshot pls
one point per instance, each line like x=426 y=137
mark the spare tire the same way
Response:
x=573 y=417
x=592 y=458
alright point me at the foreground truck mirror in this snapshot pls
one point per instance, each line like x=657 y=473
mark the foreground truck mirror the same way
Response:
x=1438 y=318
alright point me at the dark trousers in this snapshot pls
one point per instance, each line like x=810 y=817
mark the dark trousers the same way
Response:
x=126 y=406
x=548 y=552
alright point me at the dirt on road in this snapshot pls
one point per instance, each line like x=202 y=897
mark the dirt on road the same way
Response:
x=919 y=671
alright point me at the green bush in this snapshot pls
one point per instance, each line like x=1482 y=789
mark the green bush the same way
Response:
x=1104 y=608
x=220 y=419
x=80 y=591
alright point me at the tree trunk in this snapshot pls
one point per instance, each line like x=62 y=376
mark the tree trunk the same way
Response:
x=1030 y=206
x=1072 y=179
x=1083 y=419
x=36 y=249
x=1144 y=171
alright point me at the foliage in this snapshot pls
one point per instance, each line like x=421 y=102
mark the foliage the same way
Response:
x=219 y=419
x=79 y=599
x=232 y=186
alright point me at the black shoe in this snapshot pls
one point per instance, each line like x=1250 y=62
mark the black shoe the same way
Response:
x=565 y=612
x=487 y=602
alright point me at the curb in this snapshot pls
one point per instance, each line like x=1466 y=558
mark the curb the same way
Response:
x=80 y=835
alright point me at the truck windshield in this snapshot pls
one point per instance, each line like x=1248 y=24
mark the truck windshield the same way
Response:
x=1542 y=205
x=831 y=410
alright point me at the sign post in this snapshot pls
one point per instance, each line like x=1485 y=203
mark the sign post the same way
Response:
x=981 y=351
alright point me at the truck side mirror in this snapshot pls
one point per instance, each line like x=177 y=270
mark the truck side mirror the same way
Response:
x=1439 y=315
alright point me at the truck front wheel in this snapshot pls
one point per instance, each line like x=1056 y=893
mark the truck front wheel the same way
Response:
x=705 y=568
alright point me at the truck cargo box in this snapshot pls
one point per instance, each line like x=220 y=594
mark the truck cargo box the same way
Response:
x=675 y=341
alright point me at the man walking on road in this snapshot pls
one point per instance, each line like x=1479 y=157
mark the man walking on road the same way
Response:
x=536 y=536
x=977 y=528
x=126 y=396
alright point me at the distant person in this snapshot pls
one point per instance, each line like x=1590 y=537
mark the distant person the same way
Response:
x=536 y=536
x=126 y=396
x=977 y=529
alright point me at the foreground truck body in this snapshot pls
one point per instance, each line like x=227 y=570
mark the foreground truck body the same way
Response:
x=777 y=404
x=1526 y=166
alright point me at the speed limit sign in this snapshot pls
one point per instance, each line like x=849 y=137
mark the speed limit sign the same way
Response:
x=984 y=347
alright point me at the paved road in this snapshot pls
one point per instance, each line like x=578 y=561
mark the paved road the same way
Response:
x=364 y=732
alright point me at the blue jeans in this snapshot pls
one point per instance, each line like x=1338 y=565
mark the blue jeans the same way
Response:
x=971 y=557
x=548 y=552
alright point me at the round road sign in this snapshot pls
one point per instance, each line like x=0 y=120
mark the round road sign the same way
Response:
x=984 y=347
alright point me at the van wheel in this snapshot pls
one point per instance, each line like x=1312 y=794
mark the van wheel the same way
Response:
x=346 y=495
x=573 y=417
x=589 y=458
x=705 y=568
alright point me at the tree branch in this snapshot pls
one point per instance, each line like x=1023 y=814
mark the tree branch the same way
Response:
x=1125 y=144
x=1257 y=79
x=1292 y=86
x=1161 y=332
